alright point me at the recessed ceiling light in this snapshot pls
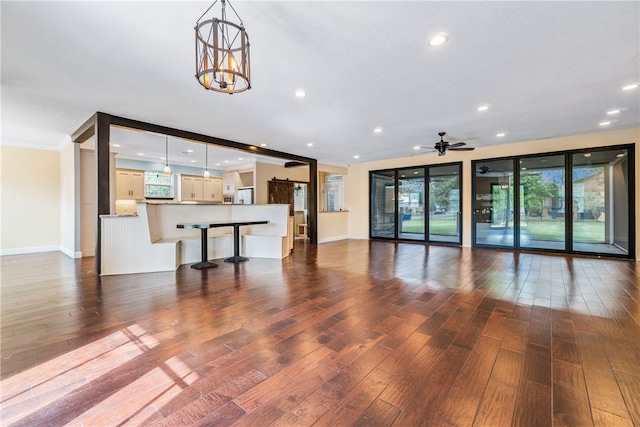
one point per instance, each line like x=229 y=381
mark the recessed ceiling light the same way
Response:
x=140 y=154
x=240 y=158
x=378 y=130
x=605 y=123
x=116 y=145
x=438 y=40
x=630 y=87
x=483 y=108
x=610 y=112
x=309 y=144
x=193 y=161
x=163 y=158
x=417 y=147
x=300 y=93
x=356 y=156
x=500 y=135
x=226 y=161
x=189 y=151
x=263 y=145
x=217 y=164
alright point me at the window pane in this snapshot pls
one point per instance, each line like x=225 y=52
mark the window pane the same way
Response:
x=542 y=207
x=157 y=184
x=383 y=204
x=444 y=204
x=411 y=203
x=494 y=203
x=601 y=202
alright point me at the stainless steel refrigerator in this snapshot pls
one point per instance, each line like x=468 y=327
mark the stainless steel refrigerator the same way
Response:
x=244 y=196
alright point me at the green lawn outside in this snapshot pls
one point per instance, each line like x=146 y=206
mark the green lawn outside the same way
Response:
x=446 y=226
x=584 y=231
x=587 y=231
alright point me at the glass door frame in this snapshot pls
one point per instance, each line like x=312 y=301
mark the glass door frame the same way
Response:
x=569 y=223
x=631 y=194
x=516 y=193
x=396 y=175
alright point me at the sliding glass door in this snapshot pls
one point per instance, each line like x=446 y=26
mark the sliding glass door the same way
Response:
x=542 y=196
x=383 y=204
x=494 y=204
x=411 y=204
x=445 y=210
x=600 y=202
x=575 y=202
x=404 y=207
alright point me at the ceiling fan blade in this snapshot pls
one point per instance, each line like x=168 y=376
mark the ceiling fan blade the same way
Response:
x=461 y=148
x=457 y=144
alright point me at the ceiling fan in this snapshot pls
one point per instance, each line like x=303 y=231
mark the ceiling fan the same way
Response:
x=442 y=146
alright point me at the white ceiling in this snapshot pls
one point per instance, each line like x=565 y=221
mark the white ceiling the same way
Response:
x=545 y=69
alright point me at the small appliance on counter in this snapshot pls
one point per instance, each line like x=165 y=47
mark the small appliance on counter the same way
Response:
x=244 y=196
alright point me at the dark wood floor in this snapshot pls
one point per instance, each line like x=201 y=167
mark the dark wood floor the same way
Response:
x=345 y=333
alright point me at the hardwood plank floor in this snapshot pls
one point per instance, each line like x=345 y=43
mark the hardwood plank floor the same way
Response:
x=348 y=333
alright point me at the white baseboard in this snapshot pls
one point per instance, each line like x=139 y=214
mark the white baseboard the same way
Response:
x=71 y=254
x=333 y=239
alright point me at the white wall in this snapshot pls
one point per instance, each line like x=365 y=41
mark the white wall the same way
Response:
x=357 y=181
x=31 y=200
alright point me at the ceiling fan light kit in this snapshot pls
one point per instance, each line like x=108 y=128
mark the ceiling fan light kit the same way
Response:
x=222 y=53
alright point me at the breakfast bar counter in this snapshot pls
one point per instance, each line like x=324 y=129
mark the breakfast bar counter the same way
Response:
x=150 y=241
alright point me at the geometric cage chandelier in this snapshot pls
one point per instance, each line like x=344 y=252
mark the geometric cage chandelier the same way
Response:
x=222 y=53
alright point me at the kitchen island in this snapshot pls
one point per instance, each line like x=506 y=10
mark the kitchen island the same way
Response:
x=150 y=240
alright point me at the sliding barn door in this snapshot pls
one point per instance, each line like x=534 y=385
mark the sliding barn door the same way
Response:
x=281 y=192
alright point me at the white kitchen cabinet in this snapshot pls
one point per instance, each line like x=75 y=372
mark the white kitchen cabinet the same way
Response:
x=212 y=189
x=195 y=188
x=229 y=183
x=191 y=188
x=129 y=184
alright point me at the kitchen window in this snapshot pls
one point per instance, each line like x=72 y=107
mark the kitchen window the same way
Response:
x=157 y=185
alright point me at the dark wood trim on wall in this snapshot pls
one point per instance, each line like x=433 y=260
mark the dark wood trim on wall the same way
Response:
x=102 y=137
x=99 y=126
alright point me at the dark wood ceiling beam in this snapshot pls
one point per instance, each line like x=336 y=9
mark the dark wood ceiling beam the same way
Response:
x=86 y=131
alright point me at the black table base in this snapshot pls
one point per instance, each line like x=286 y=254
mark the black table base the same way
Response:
x=205 y=252
x=204 y=264
x=204 y=227
x=236 y=246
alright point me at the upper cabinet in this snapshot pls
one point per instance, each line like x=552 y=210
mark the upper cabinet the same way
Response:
x=195 y=188
x=212 y=189
x=229 y=182
x=129 y=184
x=191 y=188
x=236 y=179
